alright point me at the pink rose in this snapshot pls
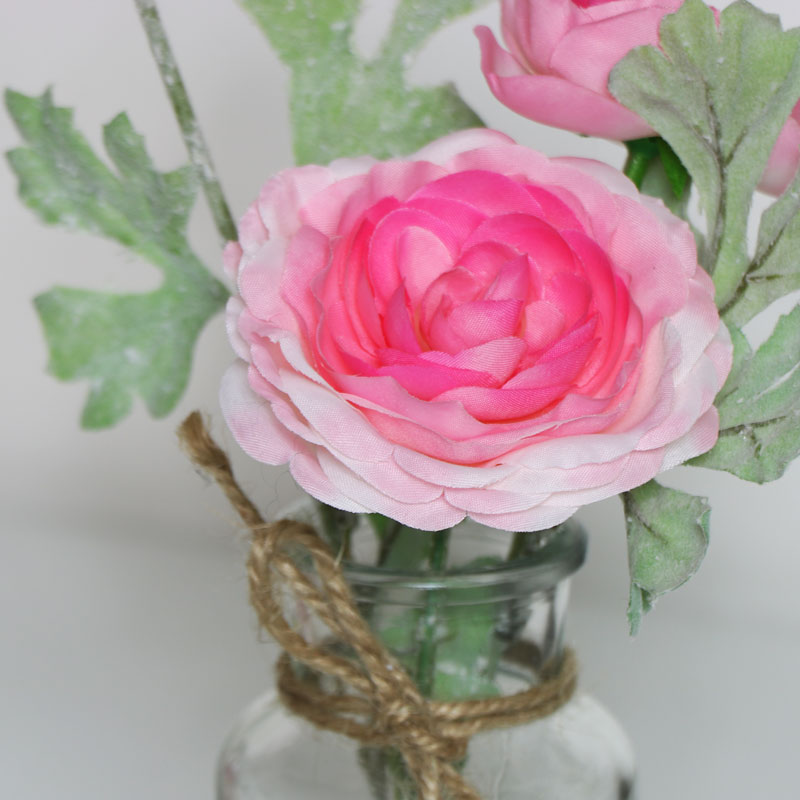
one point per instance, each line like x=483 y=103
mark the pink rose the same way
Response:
x=562 y=52
x=474 y=330
x=785 y=157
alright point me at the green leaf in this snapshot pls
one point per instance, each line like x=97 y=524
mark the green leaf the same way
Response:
x=640 y=603
x=759 y=408
x=342 y=105
x=775 y=268
x=667 y=540
x=416 y=21
x=759 y=453
x=719 y=98
x=123 y=344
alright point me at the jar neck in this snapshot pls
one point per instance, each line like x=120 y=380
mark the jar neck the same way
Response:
x=483 y=627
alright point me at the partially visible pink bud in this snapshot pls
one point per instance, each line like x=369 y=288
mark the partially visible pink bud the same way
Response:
x=560 y=53
x=785 y=157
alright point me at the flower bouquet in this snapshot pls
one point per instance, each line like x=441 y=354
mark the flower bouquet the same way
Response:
x=440 y=329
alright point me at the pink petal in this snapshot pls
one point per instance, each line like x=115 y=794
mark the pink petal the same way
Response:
x=231 y=257
x=784 y=158
x=512 y=281
x=428 y=516
x=499 y=358
x=307 y=472
x=538 y=518
x=488 y=192
x=252 y=422
x=444 y=150
x=586 y=54
x=491 y=405
x=533 y=29
x=427 y=380
x=344 y=428
x=398 y=325
x=482 y=321
x=494 y=501
x=555 y=101
x=554 y=209
x=543 y=323
x=385 y=267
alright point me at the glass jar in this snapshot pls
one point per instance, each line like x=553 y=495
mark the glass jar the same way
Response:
x=489 y=624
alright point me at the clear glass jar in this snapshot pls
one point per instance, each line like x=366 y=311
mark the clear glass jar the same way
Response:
x=488 y=625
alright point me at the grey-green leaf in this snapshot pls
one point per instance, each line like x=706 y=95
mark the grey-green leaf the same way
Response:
x=667 y=540
x=760 y=408
x=759 y=453
x=775 y=268
x=342 y=105
x=125 y=344
x=640 y=602
x=719 y=97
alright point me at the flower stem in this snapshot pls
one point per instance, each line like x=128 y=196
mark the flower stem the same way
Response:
x=641 y=153
x=517 y=545
x=187 y=121
x=426 y=660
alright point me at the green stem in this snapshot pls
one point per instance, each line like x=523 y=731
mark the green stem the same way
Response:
x=636 y=165
x=338 y=527
x=390 y=534
x=517 y=545
x=187 y=121
x=426 y=660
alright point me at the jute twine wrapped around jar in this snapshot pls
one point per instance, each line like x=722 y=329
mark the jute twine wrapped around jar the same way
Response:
x=372 y=699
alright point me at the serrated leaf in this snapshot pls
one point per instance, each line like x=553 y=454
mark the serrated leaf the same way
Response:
x=775 y=268
x=760 y=408
x=123 y=344
x=301 y=29
x=742 y=353
x=342 y=105
x=719 y=97
x=667 y=540
x=759 y=453
x=768 y=384
x=415 y=22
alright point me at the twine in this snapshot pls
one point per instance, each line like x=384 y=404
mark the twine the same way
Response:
x=371 y=699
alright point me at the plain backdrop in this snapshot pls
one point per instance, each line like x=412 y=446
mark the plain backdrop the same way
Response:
x=127 y=643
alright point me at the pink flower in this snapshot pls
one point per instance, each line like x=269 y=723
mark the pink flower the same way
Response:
x=562 y=52
x=474 y=330
x=785 y=157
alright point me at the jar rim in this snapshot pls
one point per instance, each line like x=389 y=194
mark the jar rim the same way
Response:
x=559 y=555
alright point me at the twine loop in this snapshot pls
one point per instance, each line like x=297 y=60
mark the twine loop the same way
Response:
x=351 y=683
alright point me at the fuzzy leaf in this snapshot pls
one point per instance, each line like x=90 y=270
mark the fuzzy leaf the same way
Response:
x=667 y=540
x=775 y=268
x=342 y=105
x=760 y=409
x=719 y=97
x=123 y=344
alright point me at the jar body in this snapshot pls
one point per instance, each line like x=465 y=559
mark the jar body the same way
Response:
x=484 y=628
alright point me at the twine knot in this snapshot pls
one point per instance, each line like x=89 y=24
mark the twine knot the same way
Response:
x=349 y=682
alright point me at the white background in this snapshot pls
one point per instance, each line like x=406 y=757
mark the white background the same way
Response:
x=127 y=643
